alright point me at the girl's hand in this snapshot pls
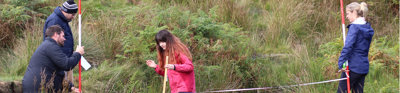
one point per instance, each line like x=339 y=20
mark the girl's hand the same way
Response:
x=151 y=63
x=170 y=66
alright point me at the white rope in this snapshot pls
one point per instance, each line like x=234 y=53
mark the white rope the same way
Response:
x=265 y=88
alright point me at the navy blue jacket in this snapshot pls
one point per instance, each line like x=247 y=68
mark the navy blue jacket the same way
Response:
x=356 y=48
x=57 y=18
x=48 y=60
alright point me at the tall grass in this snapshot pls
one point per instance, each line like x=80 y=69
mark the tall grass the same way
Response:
x=15 y=62
x=235 y=44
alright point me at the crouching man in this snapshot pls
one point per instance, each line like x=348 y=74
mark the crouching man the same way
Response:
x=48 y=60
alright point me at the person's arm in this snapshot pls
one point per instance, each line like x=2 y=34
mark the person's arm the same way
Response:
x=186 y=65
x=152 y=64
x=70 y=85
x=159 y=71
x=349 y=45
x=69 y=77
x=61 y=60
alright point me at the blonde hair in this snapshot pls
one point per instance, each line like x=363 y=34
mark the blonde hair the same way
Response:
x=360 y=8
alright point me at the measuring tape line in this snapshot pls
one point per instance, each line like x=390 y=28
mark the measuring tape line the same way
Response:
x=265 y=88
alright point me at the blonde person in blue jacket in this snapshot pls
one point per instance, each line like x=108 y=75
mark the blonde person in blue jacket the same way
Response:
x=355 y=51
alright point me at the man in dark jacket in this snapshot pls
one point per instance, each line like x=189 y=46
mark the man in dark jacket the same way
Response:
x=61 y=16
x=49 y=59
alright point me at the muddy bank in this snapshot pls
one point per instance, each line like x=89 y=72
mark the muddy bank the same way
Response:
x=11 y=87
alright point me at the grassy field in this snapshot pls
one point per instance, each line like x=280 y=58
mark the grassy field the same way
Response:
x=235 y=43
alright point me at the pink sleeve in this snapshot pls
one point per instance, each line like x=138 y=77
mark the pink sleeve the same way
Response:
x=159 y=71
x=186 y=65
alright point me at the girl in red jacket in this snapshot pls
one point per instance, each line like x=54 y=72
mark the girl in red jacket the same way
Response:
x=181 y=71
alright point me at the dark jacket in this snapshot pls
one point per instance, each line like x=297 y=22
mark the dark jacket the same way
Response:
x=47 y=61
x=356 y=48
x=57 y=18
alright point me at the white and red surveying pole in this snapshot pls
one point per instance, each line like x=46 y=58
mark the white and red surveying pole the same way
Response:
x=80 y=28
x=344 y=42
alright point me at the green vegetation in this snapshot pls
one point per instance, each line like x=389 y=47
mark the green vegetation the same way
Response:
x=235 y=43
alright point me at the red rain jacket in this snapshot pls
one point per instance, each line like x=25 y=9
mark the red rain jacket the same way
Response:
x=182 y=78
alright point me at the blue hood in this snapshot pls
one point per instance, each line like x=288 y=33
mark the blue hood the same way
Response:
x=58 y=12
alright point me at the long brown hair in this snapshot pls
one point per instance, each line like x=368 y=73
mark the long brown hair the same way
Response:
x=174 y=45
